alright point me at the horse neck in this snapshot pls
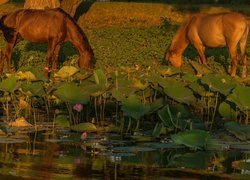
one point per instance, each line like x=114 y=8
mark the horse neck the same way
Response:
x=77 y=37
x=180 y=41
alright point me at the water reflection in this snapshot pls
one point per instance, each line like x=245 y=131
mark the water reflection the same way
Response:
x=63 y=155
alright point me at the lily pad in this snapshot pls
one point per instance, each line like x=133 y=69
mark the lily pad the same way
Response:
x=62 y=121
x=197 y=139
x=84 y=127
x=134 y=149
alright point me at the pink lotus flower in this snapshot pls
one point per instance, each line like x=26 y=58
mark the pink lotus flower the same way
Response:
x=78 y=107
x=84 y=135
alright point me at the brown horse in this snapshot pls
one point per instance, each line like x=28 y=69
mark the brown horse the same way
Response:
x=52 y=26
x=212 y=30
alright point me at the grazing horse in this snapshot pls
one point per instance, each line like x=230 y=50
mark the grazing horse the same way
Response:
x=215 y=31
x=52 y=26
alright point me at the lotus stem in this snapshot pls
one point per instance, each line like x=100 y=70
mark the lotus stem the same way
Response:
x=129 y=124
x=95 y=104
x=215 y=108
x=137 y=124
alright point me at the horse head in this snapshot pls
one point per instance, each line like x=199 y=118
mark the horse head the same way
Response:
x=174 y=58
x=86 y=60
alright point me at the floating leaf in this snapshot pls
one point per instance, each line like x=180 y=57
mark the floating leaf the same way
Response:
x=197 y=139
x=71 y=93
x=196 y=160
x=133 y=107
x=133 y=149
x=84 y=127
x=62 y=121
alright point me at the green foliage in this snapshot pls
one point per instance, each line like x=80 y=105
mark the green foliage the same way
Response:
x=197 y=139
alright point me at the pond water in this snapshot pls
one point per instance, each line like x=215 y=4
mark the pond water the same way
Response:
x=63 y=155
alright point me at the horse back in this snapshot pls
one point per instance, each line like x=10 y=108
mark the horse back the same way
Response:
x=216 y=30
x=37 y=25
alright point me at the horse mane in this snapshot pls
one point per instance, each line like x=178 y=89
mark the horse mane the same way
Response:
x=180 y=35
x=78 y=28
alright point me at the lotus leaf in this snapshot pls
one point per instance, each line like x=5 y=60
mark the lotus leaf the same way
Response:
x=100 y=77
x=138 y=84
x=95 y=90
x=174 y=117
x=84 y=127
x=9 y=84
x=157 y=104
x=227 y=111
x=241 y=97
x=199 y=89
x=133 y=107
x=180 y=93
x=134 y=149
x=66 y=71
x=169 y=71
x=118 y=95
x=242 y=132
x=71 y=93
x=189 y=77
x=62 y=121
x=196 y=160
x=200 y=68
x=26 y=75
x=219 y=83
x=38 y=75
x=35 y=88
x=197 y=139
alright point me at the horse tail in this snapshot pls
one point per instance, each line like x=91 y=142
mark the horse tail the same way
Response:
x=8 y=32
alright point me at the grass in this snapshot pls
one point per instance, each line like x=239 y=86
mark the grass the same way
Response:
x=124 y=34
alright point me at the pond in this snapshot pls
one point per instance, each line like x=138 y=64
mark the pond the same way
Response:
x=62 y=154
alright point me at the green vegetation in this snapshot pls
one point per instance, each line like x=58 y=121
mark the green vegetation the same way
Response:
x=132 y=89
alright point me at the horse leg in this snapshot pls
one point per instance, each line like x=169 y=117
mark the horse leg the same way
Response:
x=50 y=52
x=233 y=53
x=243 y=45
x=7 y=53
x=200 y=48
x=2 y=57
x=55 y=57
